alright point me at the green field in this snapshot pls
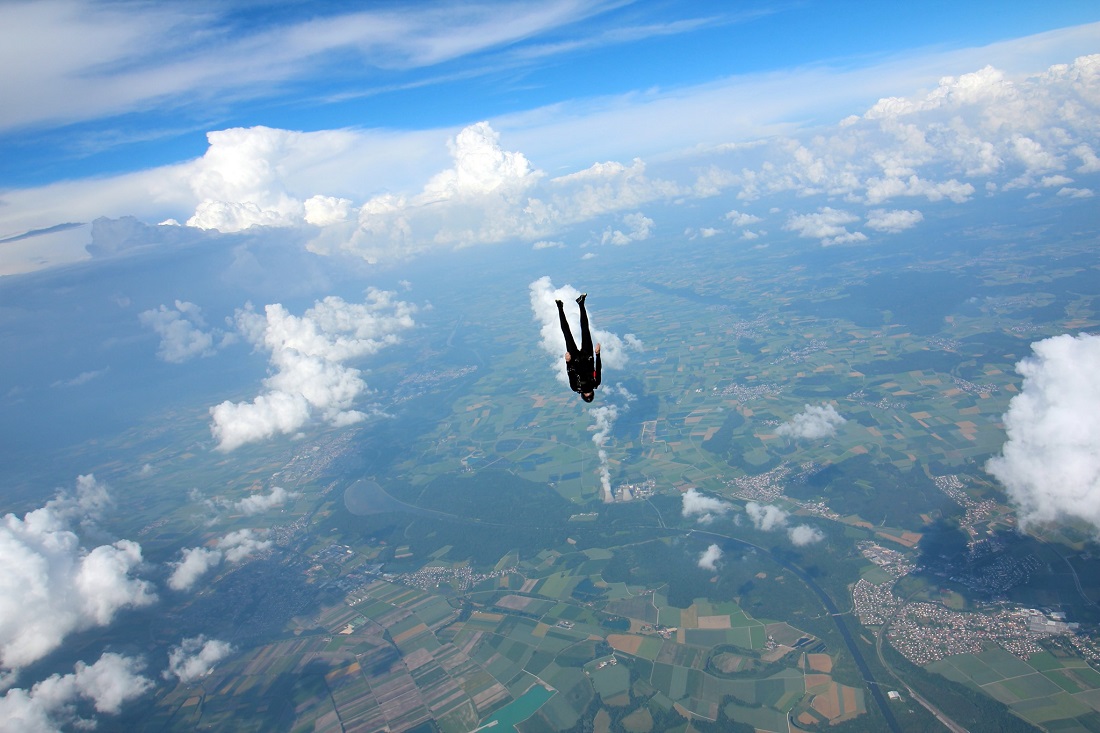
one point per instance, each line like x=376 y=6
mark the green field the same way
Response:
x=1045 y=690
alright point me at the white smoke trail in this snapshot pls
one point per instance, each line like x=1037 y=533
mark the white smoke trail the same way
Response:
x=604 y=417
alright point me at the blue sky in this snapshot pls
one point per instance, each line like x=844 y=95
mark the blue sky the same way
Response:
x=151 y=79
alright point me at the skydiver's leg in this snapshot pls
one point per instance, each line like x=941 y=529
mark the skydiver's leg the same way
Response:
x=570 y=344
x=586 y=336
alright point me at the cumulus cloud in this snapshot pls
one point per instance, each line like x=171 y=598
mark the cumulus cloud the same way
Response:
x=234 y=547
x=766 y=517
x=323 y=211
x=741 y=219
x=482 y=198
x=50 y=705
x=51 y=585
x=893 y=221
x=195 y=657
x=181 y=332
x=638 y=226
x=827 y=225
x=242 y=179
x=492 y=195
x=1050 y=462
x=193 y=564
x=982 y=124
x=488 y=195
x=803 y=534
x=259 y=503
x=709 y=558
x=705 y=509
x=308 y=353
x=814 y=422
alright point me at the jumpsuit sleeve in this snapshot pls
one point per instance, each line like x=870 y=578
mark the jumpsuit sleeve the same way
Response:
x=596 y=374
x=574 y=378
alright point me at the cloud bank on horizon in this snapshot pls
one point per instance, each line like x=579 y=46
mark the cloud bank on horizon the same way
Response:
x=980 y=132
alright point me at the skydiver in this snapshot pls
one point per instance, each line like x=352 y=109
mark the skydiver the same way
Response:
x=581 y=365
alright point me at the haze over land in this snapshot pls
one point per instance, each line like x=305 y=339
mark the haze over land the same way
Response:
x=277 y=296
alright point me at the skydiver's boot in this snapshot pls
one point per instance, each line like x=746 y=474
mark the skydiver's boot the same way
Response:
x=580 y=299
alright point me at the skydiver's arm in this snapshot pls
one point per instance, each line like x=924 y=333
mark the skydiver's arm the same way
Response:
x=596 y=375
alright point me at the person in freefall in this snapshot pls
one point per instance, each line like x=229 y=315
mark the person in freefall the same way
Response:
x=583 y=364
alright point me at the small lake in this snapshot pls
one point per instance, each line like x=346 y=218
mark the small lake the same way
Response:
x=519 y=710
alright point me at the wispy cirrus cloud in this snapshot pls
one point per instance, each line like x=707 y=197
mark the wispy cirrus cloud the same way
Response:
x=82 y=60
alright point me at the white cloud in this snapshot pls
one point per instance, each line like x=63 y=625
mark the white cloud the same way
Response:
x=51 y=585
x=741 y=219
x=894 y=221
x=827 y=225
x=803 y=534
x=1090 y=163
x=234 y=547
x=259 y=503
x=193 y=564
x=1050 y=463
x=491 y=195
x=323 y=211
x=181 y=332
x=709 y=558
x=48 y=707
x=705 y=509
x=882 y=189
x=1076 y=193
x=242 y=544
x=83 y=61
x=985 y=124
x=482 y=198
x=81 y=379
x=639 y=229
x=814 y=422
x=307 y=354
x=1052 y=181
x=766 y=517
x=195 y=657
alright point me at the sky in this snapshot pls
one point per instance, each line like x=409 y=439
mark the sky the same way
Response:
x=287 y=134
x=184 y=110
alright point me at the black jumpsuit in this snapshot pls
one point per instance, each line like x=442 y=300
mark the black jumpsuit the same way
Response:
x=582 y=366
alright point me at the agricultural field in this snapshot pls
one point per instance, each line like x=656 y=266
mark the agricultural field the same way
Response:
x=1047 y=690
